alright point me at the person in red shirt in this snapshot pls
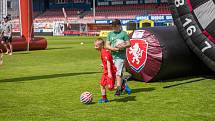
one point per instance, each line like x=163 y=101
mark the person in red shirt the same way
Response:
x=109 y=70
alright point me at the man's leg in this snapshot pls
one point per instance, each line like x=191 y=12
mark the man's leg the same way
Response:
x=119 y=81
x=126 y=87
x=5 y=45
x=119 y=85
x=119 y=64
x=10 y=48
x=10 y=45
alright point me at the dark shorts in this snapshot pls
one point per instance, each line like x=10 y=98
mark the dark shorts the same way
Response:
x=7 y=39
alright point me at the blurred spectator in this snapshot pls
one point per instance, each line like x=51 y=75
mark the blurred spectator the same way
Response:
x=6 y=35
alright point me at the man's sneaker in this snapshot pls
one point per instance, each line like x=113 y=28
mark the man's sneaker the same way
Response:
x=123 y=84
x=118 y=93
x=103 y=101
x=127 y=89
x=10 y=53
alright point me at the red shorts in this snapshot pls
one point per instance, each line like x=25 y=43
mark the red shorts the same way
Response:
x=105 y=81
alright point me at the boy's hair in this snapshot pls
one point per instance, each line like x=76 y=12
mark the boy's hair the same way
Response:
x=100 y=41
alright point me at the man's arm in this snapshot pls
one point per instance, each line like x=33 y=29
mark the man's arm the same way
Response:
x=125 y=44
x=10 y=30
x=107 y=46
x=1 y=34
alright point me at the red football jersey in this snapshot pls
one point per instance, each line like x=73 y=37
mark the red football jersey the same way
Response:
x=106 y=56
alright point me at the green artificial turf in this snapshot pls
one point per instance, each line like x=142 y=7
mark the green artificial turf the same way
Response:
x=45 y=85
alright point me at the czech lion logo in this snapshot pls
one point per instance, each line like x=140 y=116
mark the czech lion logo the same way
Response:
x=137 y=54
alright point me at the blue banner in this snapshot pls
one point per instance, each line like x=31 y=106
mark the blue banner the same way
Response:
x=123 y=21
x=155 y=18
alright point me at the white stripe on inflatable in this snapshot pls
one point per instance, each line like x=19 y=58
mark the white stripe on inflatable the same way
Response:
x=205 y=13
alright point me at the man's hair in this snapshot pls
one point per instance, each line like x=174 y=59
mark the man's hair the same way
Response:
x=116 y=22
x=8 y=17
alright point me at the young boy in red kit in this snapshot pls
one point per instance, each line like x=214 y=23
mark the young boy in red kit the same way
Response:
x=109 y=70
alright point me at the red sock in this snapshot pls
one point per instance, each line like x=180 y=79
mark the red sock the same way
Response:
x=104 y=97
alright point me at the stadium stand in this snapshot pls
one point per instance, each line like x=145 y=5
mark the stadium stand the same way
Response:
x=107 y=12
x=48 y=12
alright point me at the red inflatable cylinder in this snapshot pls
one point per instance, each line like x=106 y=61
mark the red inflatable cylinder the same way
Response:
x=19 y=44
x=26 y=19
x=26 y=41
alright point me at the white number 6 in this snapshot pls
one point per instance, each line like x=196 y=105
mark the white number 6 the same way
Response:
x=190 y=30
x=179 y=3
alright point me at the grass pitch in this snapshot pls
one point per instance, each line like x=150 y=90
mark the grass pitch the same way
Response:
x=45 y=85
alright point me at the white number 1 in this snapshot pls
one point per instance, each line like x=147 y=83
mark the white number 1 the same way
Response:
x=187 y=22
x=191 y=28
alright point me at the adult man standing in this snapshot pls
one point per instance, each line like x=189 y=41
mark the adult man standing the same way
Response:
x=117 y=42
x=6 y=35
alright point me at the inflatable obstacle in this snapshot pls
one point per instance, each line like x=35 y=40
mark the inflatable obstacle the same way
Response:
x=158 y=53
x=195 y=20
x=26 y=41
x=19 y=44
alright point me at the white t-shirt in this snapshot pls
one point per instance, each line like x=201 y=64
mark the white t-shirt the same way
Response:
x=7 y=29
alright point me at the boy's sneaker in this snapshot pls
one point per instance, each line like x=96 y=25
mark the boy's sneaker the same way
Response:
x=103 y=101
x=127 y=89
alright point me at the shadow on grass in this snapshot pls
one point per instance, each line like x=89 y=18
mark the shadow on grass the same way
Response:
x=187 y=82
x=132 y=98
x=92 y=103
x=23 y=53
x=208 y=76
x=124 y=99
x=58 y=48
x=30 y=78
x=142 y=90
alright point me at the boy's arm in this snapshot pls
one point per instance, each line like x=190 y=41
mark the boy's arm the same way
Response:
x=109 y=69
